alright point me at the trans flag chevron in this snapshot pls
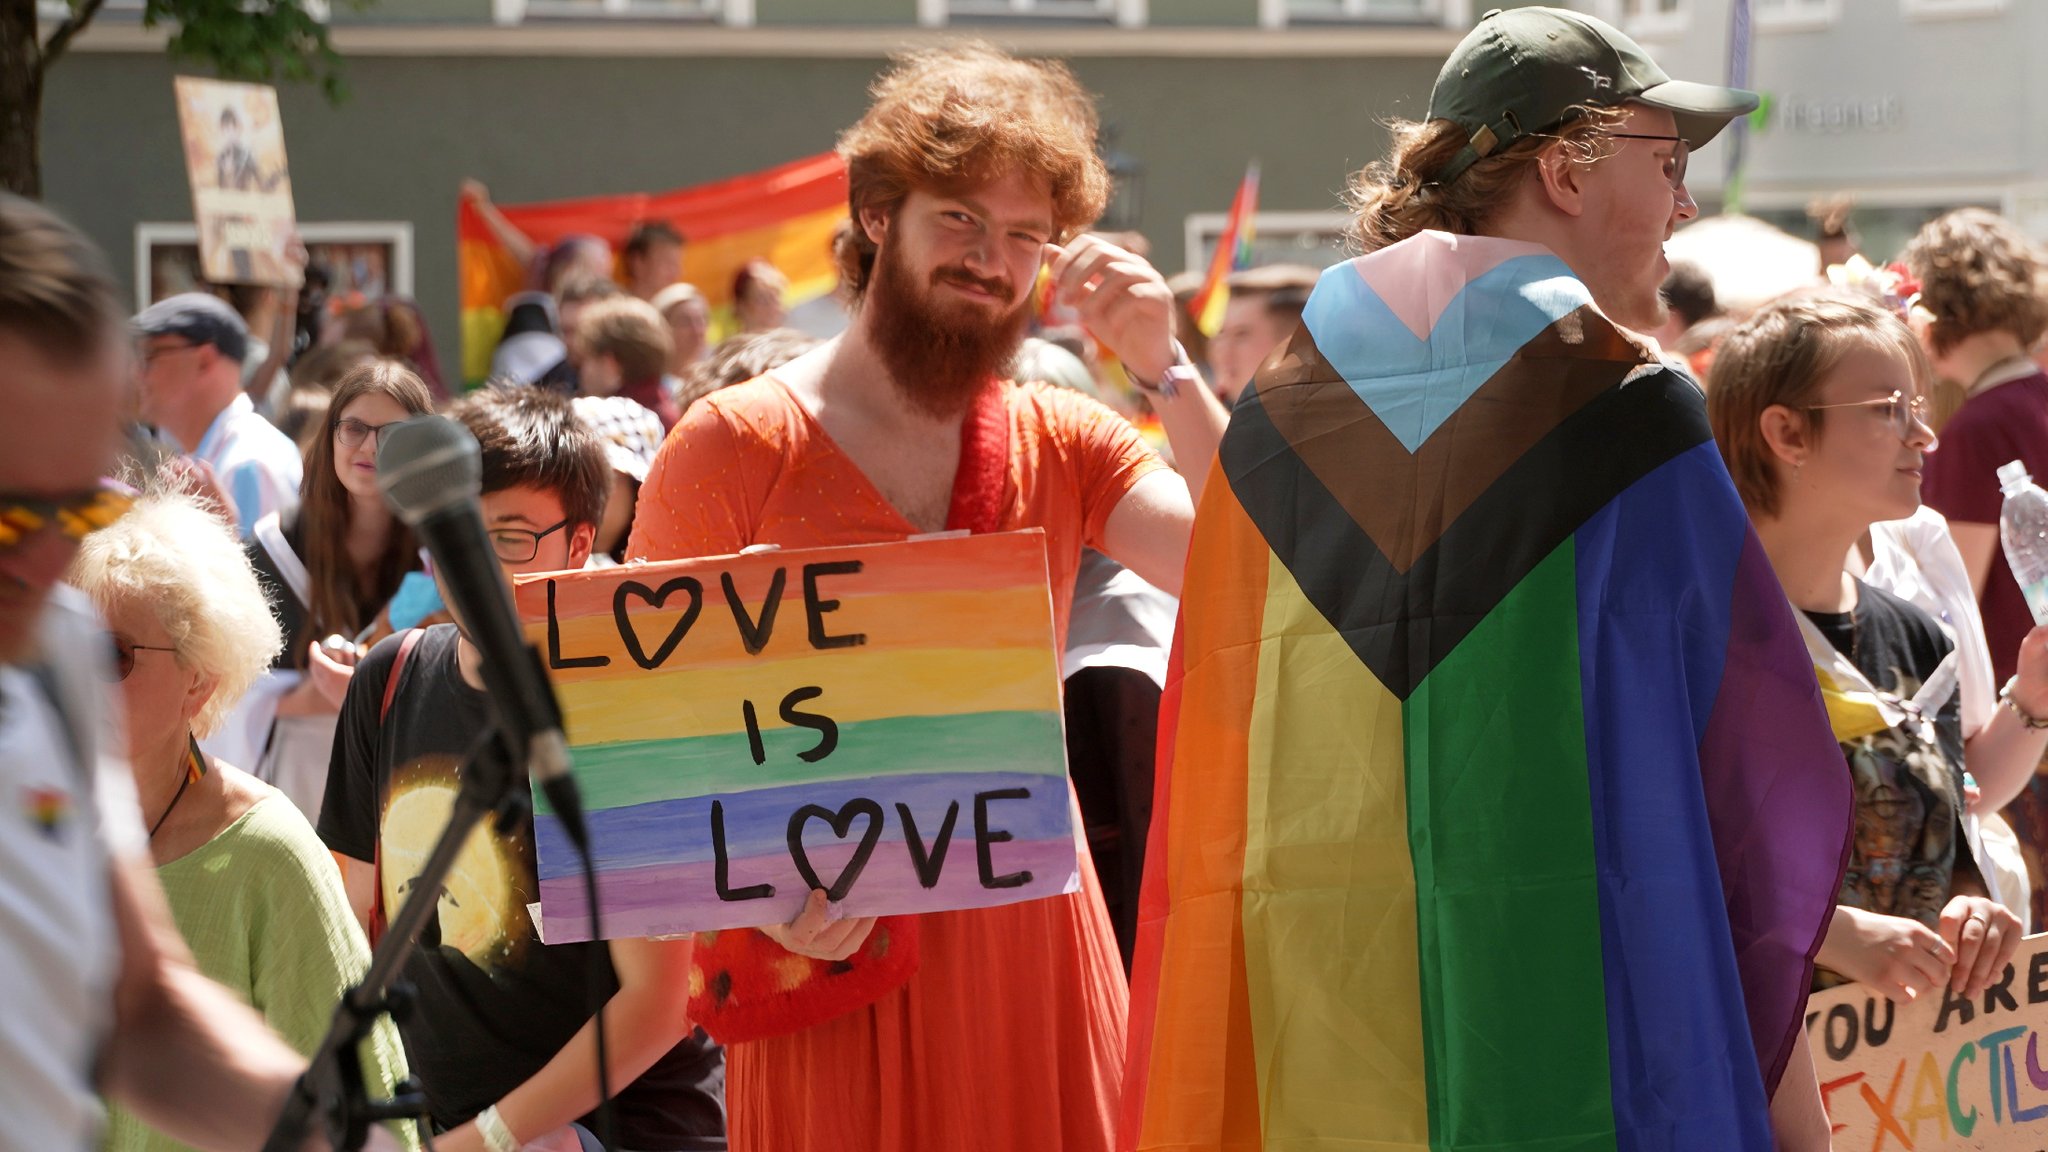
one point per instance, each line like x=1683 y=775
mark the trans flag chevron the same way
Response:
x=1498 y=807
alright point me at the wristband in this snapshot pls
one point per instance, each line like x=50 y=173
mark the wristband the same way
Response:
x=2033 y=723
x=497 y=1137
x=1181 y=373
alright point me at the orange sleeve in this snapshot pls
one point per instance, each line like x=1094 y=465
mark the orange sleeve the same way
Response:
x=1108 y=454
x=697 y=500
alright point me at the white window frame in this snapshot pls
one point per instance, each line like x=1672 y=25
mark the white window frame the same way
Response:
x=1950 y=9
x=1448 y=13
x=733 y=13
x=1809 y=16
x=396 y=233
x=1202 y=229
x=1122 y=13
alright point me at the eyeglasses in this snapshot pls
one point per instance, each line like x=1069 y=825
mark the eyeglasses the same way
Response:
x=150 y=355
x=23 y=515
x=519 y=545
x=124 y=657
x=1901 y=411
x=1681 y=154
x=352 y=432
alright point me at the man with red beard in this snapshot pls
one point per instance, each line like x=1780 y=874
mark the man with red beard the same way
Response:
x=997 y=1028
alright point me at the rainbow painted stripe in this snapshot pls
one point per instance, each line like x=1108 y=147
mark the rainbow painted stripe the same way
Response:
x=1502 y=811
x=941 y=783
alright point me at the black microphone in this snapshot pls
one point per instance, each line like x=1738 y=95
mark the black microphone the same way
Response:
x=431 y=472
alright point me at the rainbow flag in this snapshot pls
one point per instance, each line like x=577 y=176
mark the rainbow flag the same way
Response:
x=784 y=215
x=1498 y=808
x=1233 y=253
x=882 y=721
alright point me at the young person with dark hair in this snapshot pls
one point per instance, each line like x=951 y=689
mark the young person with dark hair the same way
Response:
x=502 y=1036
x=652 y=258
x=330 y=567
x=1264 y=308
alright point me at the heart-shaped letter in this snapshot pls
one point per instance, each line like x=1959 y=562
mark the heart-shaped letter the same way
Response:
x=657 y=598
x=841 y=822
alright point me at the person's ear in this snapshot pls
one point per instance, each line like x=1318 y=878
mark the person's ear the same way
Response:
x=875 y=222
x=197 y=694
x=1787 y=434
x=581 y=539
x=1563 y=179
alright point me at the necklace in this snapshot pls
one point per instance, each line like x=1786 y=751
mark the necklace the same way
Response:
x=195 y=767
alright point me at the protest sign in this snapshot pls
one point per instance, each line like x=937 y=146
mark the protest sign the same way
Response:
x=881 y=721
x=241 y=188
x=1939 y=1074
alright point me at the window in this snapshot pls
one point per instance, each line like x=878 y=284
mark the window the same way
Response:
x=1313 y=238
x=1940 y=9
x=1796 y=15
x=739 y=12
x=373 y=259
x=1280 y=13
x=1656 y=17
x=1123 y=13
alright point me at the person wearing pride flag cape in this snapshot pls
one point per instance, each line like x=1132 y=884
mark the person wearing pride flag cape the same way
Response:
x=1498 y=806
x=997 y=1028
x=1820 y=407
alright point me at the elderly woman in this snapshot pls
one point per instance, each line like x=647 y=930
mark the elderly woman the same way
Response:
x=253 y=891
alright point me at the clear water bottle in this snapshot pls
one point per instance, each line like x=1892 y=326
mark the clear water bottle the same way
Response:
x=2023 y=527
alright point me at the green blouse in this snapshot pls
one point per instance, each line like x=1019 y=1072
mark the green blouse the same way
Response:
x=262 y=908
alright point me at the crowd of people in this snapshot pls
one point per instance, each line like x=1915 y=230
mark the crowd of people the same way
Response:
x=189 y=508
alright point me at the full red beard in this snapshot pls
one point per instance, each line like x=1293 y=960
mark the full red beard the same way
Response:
x=941 y=352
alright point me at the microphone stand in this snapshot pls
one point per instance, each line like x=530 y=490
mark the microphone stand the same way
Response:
x=333 y=1082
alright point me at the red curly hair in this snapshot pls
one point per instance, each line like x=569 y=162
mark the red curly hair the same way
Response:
x=951 y=118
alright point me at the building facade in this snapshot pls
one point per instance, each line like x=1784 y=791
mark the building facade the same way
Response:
x=1910 y=105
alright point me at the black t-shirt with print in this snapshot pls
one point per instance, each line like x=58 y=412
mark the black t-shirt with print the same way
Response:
x=495 y=1004
x=1909 y=794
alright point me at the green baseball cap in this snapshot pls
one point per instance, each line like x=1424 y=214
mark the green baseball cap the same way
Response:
x=1519 y=71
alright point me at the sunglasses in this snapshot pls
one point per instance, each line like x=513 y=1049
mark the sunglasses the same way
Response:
x=1901 y=411
x=76 y=515
x=124 y=657
x=1681 y=154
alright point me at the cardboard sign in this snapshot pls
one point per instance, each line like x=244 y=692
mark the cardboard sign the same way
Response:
x=880 y=721
x=1941 y=1073
x=241 y=188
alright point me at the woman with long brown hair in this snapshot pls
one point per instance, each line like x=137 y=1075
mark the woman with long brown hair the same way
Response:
x=331 y=569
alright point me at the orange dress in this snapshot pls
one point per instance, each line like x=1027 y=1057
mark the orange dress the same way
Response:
x=1010 y=1034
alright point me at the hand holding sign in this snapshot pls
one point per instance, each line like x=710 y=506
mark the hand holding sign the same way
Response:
x=814 y=934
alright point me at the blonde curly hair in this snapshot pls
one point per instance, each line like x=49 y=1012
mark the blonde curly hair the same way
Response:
x=173 y=554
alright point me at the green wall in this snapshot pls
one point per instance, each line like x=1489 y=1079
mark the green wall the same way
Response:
x=547 y=128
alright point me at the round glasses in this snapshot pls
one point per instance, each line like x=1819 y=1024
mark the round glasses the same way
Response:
x=124 y=657
x=352 y=432
x=1681 y=153
x=520 y=545
x=1903 y=412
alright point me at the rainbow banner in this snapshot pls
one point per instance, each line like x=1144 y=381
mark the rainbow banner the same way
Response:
x=1497 y=806
x=784 y=215
x=881 y=721
x=1233 y=254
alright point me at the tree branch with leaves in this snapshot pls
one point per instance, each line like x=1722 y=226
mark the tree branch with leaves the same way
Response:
x=257 y=40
